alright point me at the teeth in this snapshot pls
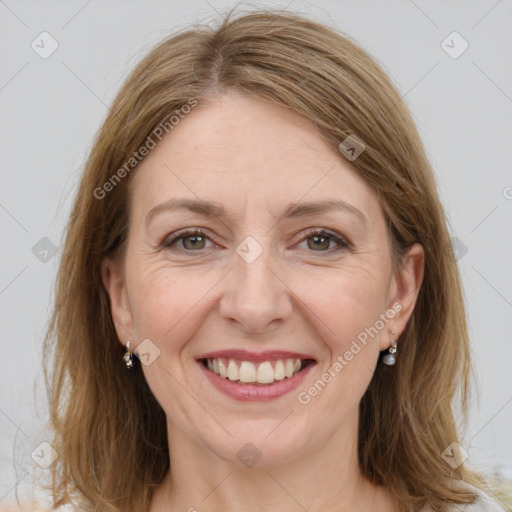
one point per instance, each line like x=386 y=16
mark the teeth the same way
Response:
x=233 y=373
x=279 y=370
x=265 y=373
x=223 y=371
x=248 y=372
x=288 y=368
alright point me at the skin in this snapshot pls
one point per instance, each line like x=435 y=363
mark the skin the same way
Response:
x=255 y=159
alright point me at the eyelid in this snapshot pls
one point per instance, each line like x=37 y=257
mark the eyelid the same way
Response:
x=341 y=240
x=170 y=239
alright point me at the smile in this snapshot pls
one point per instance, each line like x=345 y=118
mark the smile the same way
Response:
x=247 y=372
x=255 y=377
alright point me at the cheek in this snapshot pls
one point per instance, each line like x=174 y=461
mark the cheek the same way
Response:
x=346 y=300
x=162 y=299
x=345 y=306
x=347 y=311
x=170 y=304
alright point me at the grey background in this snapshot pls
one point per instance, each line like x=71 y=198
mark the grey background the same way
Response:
x=51 y=108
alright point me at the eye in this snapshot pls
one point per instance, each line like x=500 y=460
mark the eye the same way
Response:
x=319 y=240
x=195 y=237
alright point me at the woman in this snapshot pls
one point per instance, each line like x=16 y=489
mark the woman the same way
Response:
x=258 y=307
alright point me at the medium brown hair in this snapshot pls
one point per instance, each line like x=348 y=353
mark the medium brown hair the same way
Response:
x=110 y=432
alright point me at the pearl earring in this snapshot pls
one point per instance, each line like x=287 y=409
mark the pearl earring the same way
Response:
x=390 y=357
x=128 y=357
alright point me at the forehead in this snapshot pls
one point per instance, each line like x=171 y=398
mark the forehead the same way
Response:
x=242 y=151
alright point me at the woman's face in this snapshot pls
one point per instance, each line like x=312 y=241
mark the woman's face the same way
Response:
x=255 y=286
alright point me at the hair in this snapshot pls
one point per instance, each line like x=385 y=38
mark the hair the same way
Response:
x=109 y=430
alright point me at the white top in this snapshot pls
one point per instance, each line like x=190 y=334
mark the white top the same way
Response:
x=483 y=504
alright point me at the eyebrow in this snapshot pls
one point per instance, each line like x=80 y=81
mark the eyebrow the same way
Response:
x=212 y=209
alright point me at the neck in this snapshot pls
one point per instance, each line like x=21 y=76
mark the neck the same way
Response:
x=325 y=478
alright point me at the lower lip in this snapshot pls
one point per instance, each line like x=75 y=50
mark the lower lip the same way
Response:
x=256 y=392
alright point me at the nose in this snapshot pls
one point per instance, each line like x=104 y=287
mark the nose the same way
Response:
x=255 y=295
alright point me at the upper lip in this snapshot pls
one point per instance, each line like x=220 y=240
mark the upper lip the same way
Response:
x=247 y=355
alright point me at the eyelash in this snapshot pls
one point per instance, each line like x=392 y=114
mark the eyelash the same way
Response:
x=189 y=232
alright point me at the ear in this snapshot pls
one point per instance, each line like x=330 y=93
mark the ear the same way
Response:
x=113 y=280
x=406 y=285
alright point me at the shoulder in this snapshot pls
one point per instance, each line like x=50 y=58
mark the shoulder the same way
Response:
x=484 y=503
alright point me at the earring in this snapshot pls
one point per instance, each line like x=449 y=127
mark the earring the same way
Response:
x=128 y=356
x=390 y=357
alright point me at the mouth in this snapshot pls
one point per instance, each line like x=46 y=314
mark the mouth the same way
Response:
x=257 y=373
